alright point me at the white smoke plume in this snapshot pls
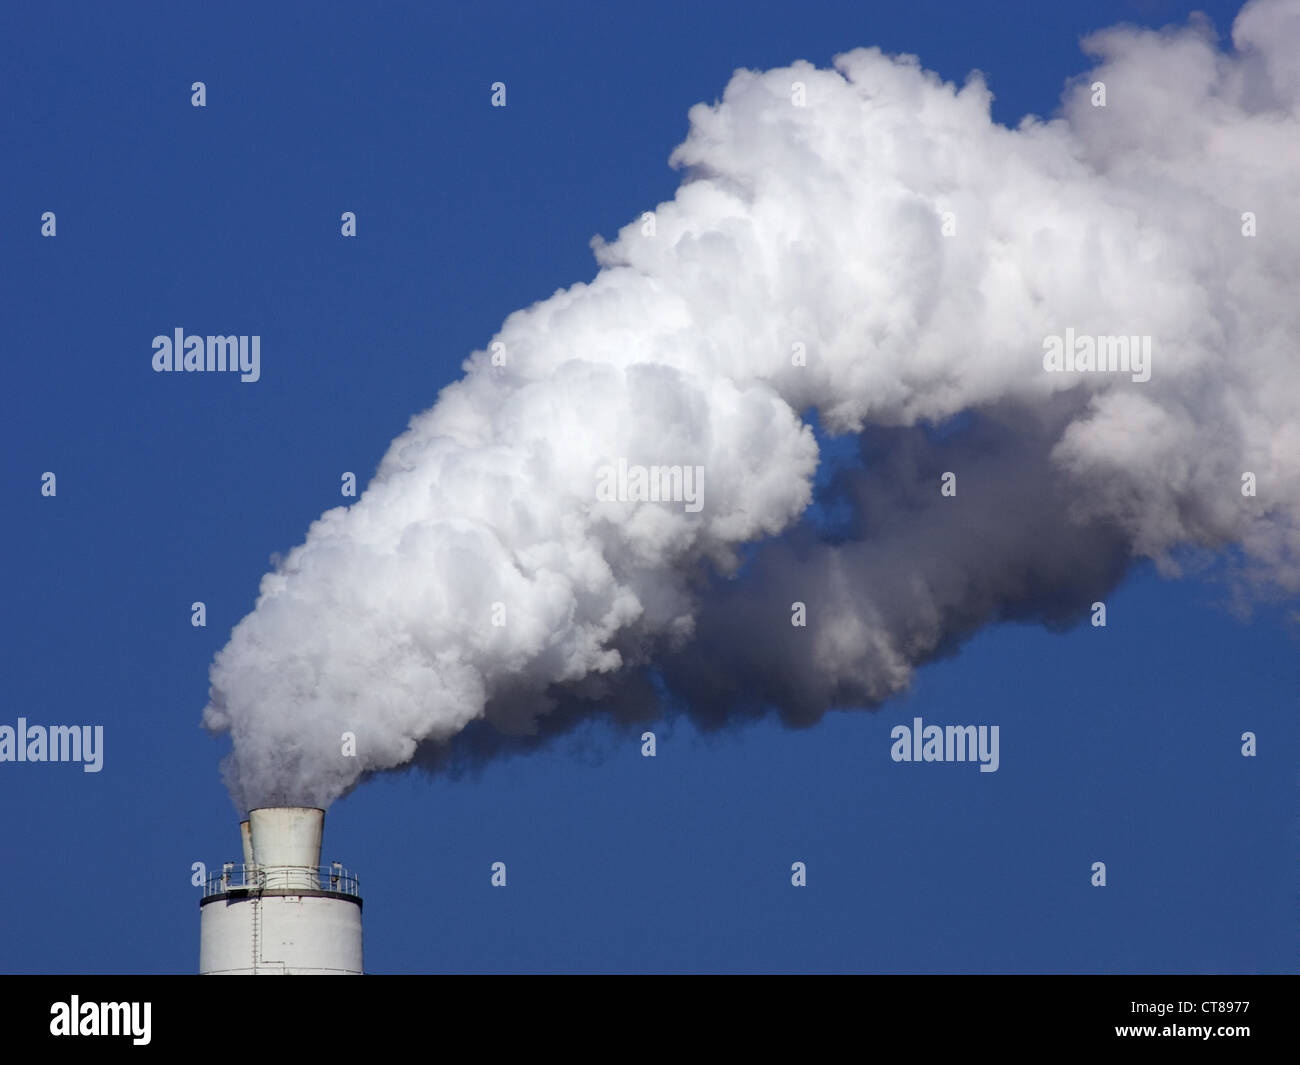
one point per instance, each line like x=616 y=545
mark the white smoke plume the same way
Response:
x=823 y=225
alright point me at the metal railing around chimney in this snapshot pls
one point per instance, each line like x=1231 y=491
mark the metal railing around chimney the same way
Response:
x=235 y=876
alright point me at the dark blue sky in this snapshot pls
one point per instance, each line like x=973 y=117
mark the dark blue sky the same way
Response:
x=1120 y=744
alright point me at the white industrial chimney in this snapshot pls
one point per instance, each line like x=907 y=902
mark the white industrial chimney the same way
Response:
x=279 y=912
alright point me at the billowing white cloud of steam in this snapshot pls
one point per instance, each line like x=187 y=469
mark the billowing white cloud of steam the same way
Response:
x=821 y=225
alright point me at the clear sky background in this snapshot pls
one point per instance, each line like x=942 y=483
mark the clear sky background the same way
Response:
x=1119 y=744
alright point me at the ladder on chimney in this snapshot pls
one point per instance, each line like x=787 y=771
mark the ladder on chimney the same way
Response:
x=256 y=903
x=255 y=900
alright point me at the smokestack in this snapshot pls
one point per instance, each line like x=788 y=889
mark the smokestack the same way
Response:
x=286 y=844
x=279 y=912
x=286 y=835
